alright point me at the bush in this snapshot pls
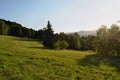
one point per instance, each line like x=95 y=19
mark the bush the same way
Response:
x=61 y=44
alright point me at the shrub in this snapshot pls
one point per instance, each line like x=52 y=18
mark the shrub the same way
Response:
x=61 y=44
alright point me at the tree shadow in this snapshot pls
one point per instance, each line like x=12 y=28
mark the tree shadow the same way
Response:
x=44 y=48
x=96 y=60
x=33 y=47
x=27 y=39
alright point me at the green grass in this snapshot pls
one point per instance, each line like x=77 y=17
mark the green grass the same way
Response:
x=27 y=59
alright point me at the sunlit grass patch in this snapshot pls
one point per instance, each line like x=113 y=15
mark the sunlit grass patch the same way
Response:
x=26 y=59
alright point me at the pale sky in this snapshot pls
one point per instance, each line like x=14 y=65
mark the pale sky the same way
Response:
x=64 y=15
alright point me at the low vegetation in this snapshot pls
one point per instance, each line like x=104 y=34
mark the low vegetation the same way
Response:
x=27 y=59
x=61 y=45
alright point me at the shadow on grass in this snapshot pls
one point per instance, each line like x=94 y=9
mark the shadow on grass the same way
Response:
x=96 y=60
x=37 y=47
x=27 y=39
x=34 y=47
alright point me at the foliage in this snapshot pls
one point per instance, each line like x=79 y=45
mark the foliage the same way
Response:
x=87 y=43
x=3 y=28
x=49 y=37
x=73 y=41
x=108 y=40
x=15 y=29
x=61 y=45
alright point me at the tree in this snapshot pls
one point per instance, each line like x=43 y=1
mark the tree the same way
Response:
x=62 y=36
x=1 y=27
x=40 y=34
x=49 y=37
x=73 y=41
x=32 y=33
x=87 y=43
x=114 y=39
x=15 y=30
x=61 y=44
x=102 y=40
x=108 y=40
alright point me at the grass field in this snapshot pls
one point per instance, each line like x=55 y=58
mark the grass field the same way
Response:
x=27 y=59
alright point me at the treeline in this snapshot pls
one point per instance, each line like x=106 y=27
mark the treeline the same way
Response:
x=106 y=41
x=69 y=41
x=47 y=35
x=15 y=29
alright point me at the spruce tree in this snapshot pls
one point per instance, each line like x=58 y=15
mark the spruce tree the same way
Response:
x=49 y=36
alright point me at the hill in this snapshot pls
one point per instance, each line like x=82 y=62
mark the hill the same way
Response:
x=87 y=33
x=27 y=59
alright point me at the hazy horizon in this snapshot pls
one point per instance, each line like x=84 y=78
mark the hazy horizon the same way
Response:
x=64 y=15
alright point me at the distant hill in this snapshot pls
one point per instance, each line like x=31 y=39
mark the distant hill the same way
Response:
x=87 y=33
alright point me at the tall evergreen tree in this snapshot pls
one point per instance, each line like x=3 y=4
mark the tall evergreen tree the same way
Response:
x=49 y=36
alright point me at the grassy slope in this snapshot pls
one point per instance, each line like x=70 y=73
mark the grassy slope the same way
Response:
x=25 y=59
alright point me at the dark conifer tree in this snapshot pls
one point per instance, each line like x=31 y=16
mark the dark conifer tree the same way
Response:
x=49 y=36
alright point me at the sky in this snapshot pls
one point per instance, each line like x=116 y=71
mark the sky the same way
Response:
x=64 y=15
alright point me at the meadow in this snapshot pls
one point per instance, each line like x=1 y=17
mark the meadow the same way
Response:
x=27 y=59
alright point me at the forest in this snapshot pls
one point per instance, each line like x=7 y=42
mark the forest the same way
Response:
x=106 y=41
